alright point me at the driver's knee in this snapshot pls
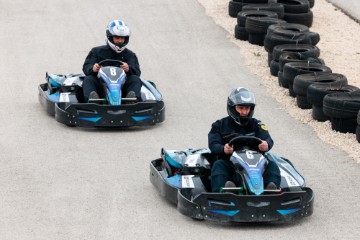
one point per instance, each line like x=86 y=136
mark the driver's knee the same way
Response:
x=272 y=174
x=222 y=167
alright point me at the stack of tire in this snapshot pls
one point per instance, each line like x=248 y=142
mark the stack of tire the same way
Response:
x=297 y=38
x=322 y=85
x=256 y=26
x=298 y=11
x=285 y=53
x=240 y=29
x=343 y=109
x=236 y=6
x=288 y=33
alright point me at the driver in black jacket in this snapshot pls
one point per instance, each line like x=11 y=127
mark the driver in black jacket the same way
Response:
x=240 y=107
x=118 y=34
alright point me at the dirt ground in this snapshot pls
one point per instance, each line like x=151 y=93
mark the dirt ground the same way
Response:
x=339 y=48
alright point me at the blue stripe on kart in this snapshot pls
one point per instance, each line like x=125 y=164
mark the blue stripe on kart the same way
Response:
x=140 y=118
x=54 y=97
x=172 y=162
x=90 y=119
x=227 y=213
x=288 y=211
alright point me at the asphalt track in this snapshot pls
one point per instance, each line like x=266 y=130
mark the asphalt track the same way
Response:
x=58 y=182
x=350 y=7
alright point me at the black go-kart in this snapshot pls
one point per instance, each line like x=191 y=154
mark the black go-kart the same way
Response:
x=183 y=178
x=62 y=96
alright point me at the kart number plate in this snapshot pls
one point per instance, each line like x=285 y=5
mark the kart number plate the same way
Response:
x=187 y=182
x=192 y=160
x=64 y=97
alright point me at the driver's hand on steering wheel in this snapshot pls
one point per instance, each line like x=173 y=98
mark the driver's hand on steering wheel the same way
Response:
x=96 y=67
x=263 y=146
x=124 y=66
x=228 y=149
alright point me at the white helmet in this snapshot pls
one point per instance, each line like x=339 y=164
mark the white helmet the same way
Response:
x=117 y=28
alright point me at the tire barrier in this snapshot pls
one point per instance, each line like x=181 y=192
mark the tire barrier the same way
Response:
x=241 y=32
x=273 y=7
x=301 y=51
x=303 y=81
x=236 y=6
x=295 y=6
x=316 y=93
x=292 y=69
x=300 y=18
x=243 y=15
x=297 y=57
x=297 y=11
x=289 y=33
x=342 y=108
x=294 y=58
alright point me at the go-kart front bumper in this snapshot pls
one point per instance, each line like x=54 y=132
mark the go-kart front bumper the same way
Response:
x=100 y=115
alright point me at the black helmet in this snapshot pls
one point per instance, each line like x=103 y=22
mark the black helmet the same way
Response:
x=243 y=97
x=120 y=29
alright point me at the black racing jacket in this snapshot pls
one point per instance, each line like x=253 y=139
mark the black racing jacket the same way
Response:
x=100 y=53
x=223 y=130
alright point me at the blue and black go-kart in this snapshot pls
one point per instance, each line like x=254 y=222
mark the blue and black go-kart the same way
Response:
x=183 y=178
x=62 y=96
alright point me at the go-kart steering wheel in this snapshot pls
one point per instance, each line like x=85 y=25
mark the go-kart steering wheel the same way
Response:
x=245 y=142
x=110 y=60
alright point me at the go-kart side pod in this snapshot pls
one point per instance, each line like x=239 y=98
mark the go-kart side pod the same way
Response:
x=196 y=202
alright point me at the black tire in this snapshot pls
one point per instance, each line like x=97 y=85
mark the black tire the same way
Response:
x=272 y=40
x=344 y=125
x=300 y=18
x=243 y=15
x=256 y=39
x=282 y=81
x=274 y=68
x=317 y=91
x=302 y=102
x=273 y=7
x=311 y=3
x=260 y=24
x=358 y=118
x=303 y=81
x=295 y=6
x=342 y=105
x=297 y=57
x=288 y=29
x=292 y=69
x=315 y=38
x=305 y=50
x=241 y=33
x=358 y=133
x=318 y=114
x=235 y=7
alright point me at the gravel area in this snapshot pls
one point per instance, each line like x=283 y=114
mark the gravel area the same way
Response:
x=339 y=47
